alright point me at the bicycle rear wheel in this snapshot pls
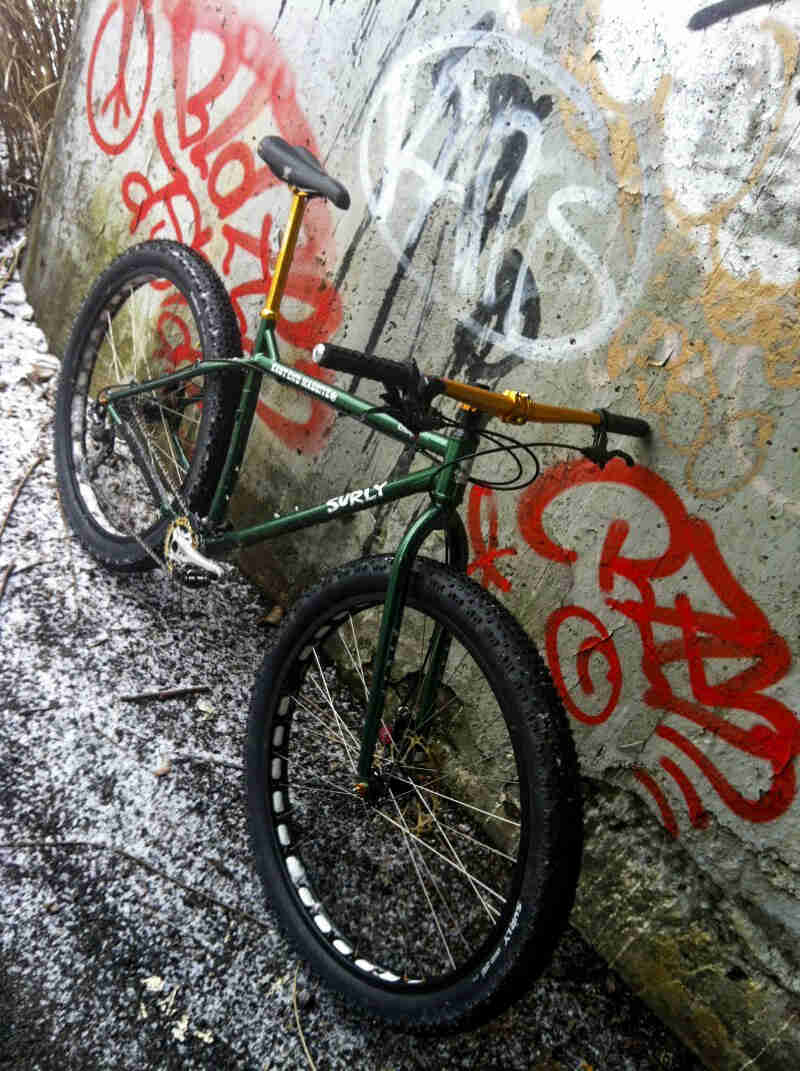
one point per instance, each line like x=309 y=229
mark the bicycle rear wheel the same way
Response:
x=158 y=308
x=437 y=900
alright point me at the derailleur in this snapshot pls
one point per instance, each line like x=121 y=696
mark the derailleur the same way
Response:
x=101 y=432
x=184 y=558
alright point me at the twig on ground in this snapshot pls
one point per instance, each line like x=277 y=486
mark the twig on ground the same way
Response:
x=31 y=565
x=166 y=693
x=52 y=705
x=70 y=543
x=214 y=759
x=17 y=570
x=16 y=494
x=4 y=577
x=311 y=1063
x=228 y=908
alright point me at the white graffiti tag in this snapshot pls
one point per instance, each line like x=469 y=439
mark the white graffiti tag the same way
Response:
x=462 y=156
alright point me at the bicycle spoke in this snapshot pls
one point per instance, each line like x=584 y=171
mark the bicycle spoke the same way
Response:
x=469 y=806
x=456 y=858
x=180 y=471
x=478 y=843
x=356 y=662
x=407 y=836
x=341 y=726
x=321 y=734
x=440 y=855
x=321 y=786
x=114 y=355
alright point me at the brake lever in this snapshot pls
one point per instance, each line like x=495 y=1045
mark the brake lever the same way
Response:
x=412 y=406
x=599 y=453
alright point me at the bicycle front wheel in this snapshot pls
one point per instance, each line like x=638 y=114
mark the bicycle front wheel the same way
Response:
x=438 y=898
x=157 y=309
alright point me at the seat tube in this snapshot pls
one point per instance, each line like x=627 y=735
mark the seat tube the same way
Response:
x=248 y=400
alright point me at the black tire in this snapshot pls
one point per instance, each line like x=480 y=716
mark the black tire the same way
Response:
x=157 y=308
x=498 y=839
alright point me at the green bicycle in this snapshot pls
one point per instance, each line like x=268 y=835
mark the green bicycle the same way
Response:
x=412 y=785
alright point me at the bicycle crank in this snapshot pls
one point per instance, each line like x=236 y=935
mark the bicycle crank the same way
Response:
x=184 y=559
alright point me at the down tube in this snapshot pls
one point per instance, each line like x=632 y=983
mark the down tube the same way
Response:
x=414 y=483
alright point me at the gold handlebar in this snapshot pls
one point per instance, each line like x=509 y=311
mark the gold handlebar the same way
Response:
x=513 y=407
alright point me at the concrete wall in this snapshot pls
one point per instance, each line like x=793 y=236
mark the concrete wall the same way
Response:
x=593 y=201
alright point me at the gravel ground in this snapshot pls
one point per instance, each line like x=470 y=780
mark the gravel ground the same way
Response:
x=134 y=930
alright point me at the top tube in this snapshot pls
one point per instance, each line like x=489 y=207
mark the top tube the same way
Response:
x=350 y=404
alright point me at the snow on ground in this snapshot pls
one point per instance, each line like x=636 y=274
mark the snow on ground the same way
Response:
x=135 y=934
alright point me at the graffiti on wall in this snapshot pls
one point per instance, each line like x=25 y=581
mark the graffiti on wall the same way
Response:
x=658 y=257
x=464 y=147
x=718 y=731
x=463 y=165
x=717 y=321
x=203 y=155
x=706 y=332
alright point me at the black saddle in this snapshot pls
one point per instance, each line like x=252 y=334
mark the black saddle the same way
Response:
x=300 y=168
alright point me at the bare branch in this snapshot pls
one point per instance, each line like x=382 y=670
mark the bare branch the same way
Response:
x=165 y=693
x=16 y=494
x=144 y=864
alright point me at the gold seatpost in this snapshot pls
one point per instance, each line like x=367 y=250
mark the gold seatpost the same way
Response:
x=285 y=254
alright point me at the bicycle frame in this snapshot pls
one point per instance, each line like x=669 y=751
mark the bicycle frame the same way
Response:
x=440 y=480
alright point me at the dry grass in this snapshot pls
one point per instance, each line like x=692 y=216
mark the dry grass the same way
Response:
x=34 y=38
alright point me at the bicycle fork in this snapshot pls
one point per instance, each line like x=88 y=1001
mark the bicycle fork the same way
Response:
x=446 y=497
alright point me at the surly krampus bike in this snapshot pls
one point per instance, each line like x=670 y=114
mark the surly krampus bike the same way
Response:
x=412 y=785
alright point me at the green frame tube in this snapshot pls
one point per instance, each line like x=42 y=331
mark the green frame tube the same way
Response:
x=434 y=479
x=446 y=494
x=391 y=621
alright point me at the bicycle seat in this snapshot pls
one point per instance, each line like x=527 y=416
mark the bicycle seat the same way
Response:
x=298 y=167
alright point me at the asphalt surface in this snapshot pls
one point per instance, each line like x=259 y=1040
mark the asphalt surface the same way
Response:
x=134 y=932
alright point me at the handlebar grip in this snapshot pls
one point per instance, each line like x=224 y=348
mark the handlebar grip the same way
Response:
x=340 y=359
x=624 y=425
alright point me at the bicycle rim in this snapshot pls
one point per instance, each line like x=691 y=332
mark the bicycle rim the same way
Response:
x=410 y=890
x=130 y=474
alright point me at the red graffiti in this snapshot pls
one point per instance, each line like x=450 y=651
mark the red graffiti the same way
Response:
x=729 y=704
x=486 y=550
x=113 y=39
x=603 y=645
x=165 y=198
x=212 y=127
x=171 y=326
